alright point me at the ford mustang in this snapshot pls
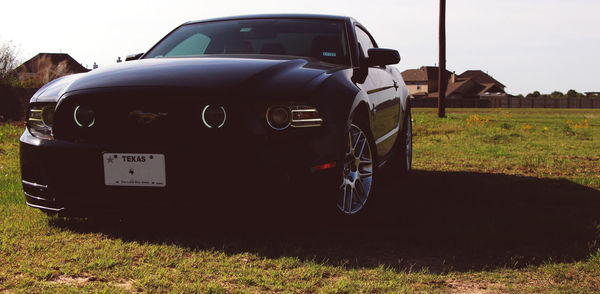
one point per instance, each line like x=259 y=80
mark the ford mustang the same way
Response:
x=224 y=109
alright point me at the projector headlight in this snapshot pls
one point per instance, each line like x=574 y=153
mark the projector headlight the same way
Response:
x=40 y=120
x=279 y=117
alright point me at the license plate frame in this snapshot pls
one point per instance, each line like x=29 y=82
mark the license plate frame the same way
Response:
x=134 y=169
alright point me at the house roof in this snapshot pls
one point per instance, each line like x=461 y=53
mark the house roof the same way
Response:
x=479 y=77
x=414 y=75
x=491 y=88
x=462 y=87
x=41 y=60
x=423 y=74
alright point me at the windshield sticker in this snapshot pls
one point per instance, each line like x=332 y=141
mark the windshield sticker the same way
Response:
x=245 y=30
x=329 y=54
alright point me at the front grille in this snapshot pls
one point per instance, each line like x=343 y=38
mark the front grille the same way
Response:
x=147 y=118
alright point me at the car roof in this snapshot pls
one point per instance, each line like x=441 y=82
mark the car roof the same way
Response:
x=259 y=16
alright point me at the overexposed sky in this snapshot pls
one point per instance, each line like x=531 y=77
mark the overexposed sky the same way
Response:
x=527 y=45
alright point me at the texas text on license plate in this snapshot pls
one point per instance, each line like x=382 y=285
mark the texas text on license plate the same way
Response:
x=134 y=169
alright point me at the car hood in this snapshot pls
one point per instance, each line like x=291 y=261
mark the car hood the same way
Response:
x=265 y=74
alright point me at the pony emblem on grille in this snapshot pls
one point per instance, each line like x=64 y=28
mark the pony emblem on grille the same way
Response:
x=145 y=118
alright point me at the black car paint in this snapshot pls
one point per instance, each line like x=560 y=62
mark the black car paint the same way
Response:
x=69 y=164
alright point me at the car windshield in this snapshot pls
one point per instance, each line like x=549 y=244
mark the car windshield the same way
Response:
x=321 y=39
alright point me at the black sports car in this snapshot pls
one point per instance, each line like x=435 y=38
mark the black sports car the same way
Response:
x=238 y=105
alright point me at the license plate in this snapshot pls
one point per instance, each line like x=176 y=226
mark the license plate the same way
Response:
x=134 y=169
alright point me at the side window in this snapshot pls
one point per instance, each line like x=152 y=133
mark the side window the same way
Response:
x=364 y=40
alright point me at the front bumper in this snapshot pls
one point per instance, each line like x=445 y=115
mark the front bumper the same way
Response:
x=67 y=177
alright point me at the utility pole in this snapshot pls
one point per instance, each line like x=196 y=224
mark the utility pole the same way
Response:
x=442 y=80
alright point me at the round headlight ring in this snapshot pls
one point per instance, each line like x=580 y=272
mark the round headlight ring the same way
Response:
x=84 y=116
x=279 y=117
x=214 y=116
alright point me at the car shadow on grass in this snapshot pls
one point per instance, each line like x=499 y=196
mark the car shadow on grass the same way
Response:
x=439 y=221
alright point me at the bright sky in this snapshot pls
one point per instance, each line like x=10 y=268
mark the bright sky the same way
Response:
x=527 y=45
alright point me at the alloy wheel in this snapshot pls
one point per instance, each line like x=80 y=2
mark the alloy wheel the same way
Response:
x=357 y=173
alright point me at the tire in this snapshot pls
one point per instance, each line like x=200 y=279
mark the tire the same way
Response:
x=358 y=171
x=405 y=150
x=400 y=163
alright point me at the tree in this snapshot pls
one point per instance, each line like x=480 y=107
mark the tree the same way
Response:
x=8 y=60
x=573 y=93
x=535 y=94
x=557 y=94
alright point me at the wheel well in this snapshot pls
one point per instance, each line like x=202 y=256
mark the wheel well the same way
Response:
x=361 y=117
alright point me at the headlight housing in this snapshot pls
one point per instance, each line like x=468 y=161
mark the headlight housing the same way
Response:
x=40 y=119
x=281 y=117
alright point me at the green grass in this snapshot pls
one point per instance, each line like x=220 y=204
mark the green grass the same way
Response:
x=505 y=202
x=10 y=178
x=545 y=143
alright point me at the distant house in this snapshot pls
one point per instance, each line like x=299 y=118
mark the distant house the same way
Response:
x=472 y=84
x=484 y=83
x=422 y=81
x=45 y=67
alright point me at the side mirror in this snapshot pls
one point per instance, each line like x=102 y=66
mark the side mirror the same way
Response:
x=133 y=56
x=382 y=56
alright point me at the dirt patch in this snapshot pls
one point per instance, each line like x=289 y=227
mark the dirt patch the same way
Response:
x=126 y=285
x=81 y=280
x=71 y=280
x=470 y=287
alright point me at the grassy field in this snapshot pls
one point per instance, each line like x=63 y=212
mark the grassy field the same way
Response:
x=500 y=201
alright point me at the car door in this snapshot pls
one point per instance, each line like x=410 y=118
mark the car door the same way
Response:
x=383 y=94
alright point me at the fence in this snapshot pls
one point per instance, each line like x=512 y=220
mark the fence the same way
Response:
x=545 y=102
x=512 y=102
x=14 y=102
x=450 y=103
